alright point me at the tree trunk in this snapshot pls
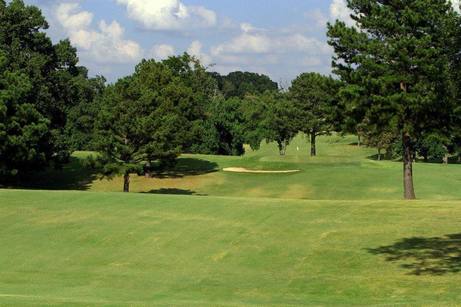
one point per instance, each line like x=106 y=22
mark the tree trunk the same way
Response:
x=359 y=140
x=409 y=190
x=282 y=147
x=126 y=183
x=379 y=154
x=313 y=145
x=445 y=159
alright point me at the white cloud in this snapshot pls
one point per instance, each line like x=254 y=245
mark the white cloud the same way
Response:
x=73 y=21
x=456 y=5
x=103 y=45
x=339 y=10
x=317 y=17
x=253 y=41
x=196 y=49
x=168 y=14
x=162 y=51
x=313 y=61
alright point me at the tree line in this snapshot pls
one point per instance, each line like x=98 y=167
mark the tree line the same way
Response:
x=395 y=86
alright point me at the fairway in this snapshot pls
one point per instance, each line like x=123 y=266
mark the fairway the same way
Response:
x=341 y=171
x=111 y=249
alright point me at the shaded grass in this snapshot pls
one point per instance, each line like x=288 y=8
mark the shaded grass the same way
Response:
x=117 y=249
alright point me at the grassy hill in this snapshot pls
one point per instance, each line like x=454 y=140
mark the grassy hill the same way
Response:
x=113 y=248
x=342 y=171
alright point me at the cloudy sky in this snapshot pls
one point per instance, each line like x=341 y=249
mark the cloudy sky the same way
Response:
x=281 y=38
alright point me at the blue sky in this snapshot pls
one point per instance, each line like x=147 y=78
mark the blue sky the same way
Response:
x=281 y=38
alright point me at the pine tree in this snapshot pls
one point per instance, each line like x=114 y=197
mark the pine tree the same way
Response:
x=397 y=64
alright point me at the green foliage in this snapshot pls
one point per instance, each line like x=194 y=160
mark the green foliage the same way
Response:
x=81 y=117
x=226 y=124
x=239 y=84
x=432 y=147
x=35 y=96
x=396 y=64
x=254 y=111
x=144 y=119
x=316 y=101
x=280 y=120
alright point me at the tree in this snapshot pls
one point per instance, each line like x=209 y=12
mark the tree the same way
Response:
x=254 y=111
x=81 y=117
x=34 y=78
x=143 y=120
x=227 y=123
x=315 y=98
x=280 y=120
x=239 y=84
x=400 y=55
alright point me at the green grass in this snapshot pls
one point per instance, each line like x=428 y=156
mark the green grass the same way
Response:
x=123 y=249
x=341 y=171
x=336 y=233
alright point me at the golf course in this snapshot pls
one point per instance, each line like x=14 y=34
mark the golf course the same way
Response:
x=335 y=233
x=230 y=153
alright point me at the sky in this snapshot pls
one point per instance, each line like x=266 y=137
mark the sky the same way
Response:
x=280 y=38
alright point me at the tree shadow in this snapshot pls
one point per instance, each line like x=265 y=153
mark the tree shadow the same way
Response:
x=173 y=191
x=384 y=157
x=187 y=167
x=72 y=176
x=425 y=256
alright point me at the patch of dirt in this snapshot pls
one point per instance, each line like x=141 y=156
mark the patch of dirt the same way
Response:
x=244 y=170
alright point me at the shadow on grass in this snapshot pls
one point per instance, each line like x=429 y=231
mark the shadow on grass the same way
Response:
x=76 y=176
x=425 y=256
x=188 y=167
x=174 y=192
x=72 y=176
x=383 y=157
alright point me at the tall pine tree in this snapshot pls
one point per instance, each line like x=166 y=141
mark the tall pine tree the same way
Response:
x=397 y=63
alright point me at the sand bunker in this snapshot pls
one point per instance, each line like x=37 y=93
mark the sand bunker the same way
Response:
x=244 y=170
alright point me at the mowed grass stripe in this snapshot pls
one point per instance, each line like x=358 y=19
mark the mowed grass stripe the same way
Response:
x=110 y=248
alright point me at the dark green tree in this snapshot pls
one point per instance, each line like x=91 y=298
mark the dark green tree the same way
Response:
x=398 y=60
x=34 y=81
x=143 y=121
x=254 y=110
x=239 y=84
x=226 y=123
x=280 y=120
x=80 y=126
x=316 y=100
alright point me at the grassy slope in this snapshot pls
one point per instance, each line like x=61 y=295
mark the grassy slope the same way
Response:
x=111 y=248
x=342 y=171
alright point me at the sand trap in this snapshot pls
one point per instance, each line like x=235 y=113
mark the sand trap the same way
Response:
x=244 y=170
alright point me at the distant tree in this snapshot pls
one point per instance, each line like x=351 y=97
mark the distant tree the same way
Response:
x=280 y=120
x=433 y=147
x=239 y=84
x=315 y=99
x=226 y=124
x=143 y=121
x=254 y=110
x=380 y=139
